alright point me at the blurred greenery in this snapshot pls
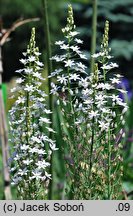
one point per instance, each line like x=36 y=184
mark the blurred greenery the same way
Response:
x=118 y=12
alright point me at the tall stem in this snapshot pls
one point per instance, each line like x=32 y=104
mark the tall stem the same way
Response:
x=94 y=33
x=49 y=65
x=109 y=166
x=4 y=138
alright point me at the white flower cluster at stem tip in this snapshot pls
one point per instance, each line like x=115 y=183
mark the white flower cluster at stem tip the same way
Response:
x=99 y=97
x=30 y=124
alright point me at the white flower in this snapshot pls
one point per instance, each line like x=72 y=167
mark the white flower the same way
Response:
x=96 y=55
x=75 y=48
x=20 y=100
x=93 y=114
x=74 y=76
x=54 y=89
x=42 y=164
x=100 y=103
x=125 y=108
x=74 y=33
x=31 y=59
x=84 y=82
x=118 y=75
x=58 y=58
x=19 y=71
x=78 y=40
x=82 y=56
x=19 y=80
x=36 y=174
x=57 y=71
x=100 y=97
x=44 y=120
x=104 y=86
x=33 y=150
x=29 y=88
x=23 y=61
x=62 y=79
x=38 y=75
x=110 y=66
x=16 y=180
x=115 y=80
x=103 y=125
x=66 y=29
x=22 y=172
x=37 y=53
x=115 y=98
x=59 y=42
x=105 y=110
x=47 y=175
x=80 y=65
x=53 y=147
x=27 y=161
x=24 y=147
x=24 y=53
x=17 y=157
x=35 y=139
x=41 y=151
x=69 y=63
x=39 y=63
x=109 y=56
x=64 y=46
x=122 y=91
x=50 y=129
x=28 y=70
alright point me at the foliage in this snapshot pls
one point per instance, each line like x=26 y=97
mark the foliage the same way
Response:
x=119 y=13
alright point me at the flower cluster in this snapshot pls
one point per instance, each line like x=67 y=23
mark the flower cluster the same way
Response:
x=104 y=112
x=72 y=68
x=93 y=117
x=29 y=128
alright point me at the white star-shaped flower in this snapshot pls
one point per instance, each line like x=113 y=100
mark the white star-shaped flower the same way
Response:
x=69 y=63
x=74 y=33
x=75 y=48
x=29 y=88
x=59 y=42
x=31 y=59
x=93 y=114
x=20 y=100
x=23 y=61
x=44 y=120
x=64 y=46
x=27 y=161
x=78 y=40
x=19 y=80
x=115 y=80
x=35 y=139
x=74 y=76
x=62 y=79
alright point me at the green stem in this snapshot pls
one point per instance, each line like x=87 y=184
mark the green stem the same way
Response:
x=49 y=65
x=94 y=32
x=48 y=44
x=92 y=144
x=109 y=166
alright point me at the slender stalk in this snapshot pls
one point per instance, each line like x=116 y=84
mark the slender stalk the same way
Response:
x=94 y=33
x=109 y=166
x=4 y=138
x=49 y=65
